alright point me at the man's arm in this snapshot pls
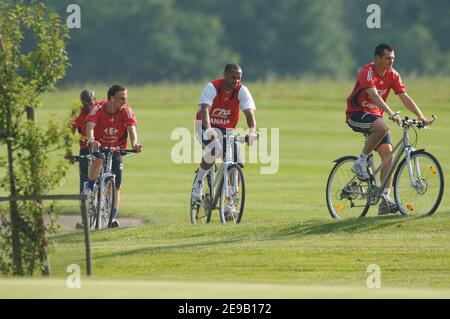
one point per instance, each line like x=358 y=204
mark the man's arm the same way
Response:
x=90 y=138
x=412 y=106
x=251 y=123
x=206 y=122
x=134 y=138
x=90 y=130
x=204 y=112
x=376 y=98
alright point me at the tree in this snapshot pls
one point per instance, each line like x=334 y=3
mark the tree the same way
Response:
x=32 y=59
x=131 y=41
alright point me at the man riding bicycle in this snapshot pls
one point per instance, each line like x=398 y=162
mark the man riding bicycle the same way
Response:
x=365 y=108
x=87 y=98
x=108 y=124
x=220 y=103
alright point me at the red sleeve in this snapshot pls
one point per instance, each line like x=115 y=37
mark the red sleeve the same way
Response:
x=76 y=122
x=130 y=117
x=398 y=87
x=366 y=78
x=93 y=114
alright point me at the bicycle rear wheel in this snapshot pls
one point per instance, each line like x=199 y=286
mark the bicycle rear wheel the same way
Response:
x=425 y=196
x=201 y=212
x=345 y=193
x=106 y=213
x=232 y=198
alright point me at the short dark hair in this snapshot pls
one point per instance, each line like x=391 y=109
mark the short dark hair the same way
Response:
x=87 y=95
x=232 y=66
x=114 y=89
x=379 y=50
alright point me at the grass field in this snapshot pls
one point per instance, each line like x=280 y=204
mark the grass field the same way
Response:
x=287 y=242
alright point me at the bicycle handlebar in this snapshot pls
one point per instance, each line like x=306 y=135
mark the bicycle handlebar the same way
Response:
x=77 y=158
x=116 y=149
x=406 y=122
x=239 y=138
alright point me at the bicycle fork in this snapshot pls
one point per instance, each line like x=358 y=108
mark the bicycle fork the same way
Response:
x=412 y=182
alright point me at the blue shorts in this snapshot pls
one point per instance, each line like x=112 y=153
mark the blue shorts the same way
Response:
x=116 y=167
x=361 y=122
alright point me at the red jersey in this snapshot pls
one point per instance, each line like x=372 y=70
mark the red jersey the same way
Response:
x=225 y=110
x=359 y=101
x=111 y=129
x=80 y=125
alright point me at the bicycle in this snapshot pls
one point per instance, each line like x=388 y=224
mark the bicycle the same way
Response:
x=226 y=189
x=101 y=201
x=418 y=180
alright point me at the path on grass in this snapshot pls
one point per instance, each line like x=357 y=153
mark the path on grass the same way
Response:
x=68 y=220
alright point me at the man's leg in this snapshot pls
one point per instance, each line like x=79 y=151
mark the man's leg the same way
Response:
x=115 y=222
x=384 y=149
x=94 y=170
x=376 y=130
x=83 y=169
x=205 y=165
x=117 y=169
x=213 y=151
x=84 y=172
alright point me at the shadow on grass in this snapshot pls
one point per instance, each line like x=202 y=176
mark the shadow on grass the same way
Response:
x=68 y=237
x=350 y=226
x=166 y=248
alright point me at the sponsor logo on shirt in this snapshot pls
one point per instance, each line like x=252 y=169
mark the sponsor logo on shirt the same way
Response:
x=220 y=121
x=110 y=131
x=219 y=112
x=369 y=105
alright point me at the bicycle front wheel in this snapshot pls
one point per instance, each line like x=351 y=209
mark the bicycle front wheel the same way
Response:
x=232 y=198
x=420 y=193
x=106 y=213
x=345 y=193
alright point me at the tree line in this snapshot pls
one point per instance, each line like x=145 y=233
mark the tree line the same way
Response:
x=188 y=40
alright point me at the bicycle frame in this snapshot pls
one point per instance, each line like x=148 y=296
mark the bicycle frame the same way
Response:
x=104 y=174
x=223 y=171
x=403 y=147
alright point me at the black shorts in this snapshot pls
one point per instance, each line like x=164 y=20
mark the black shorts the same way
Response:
x=222 y=132
x=362 y=121
x=83 y=166
x=116 y=167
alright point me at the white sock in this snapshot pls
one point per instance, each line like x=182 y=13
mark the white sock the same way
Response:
x=201 y=174
x=386 y=192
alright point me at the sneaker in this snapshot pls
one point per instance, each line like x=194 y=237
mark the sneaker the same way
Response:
x=197 y=190
x=115 y=224
x=79 y=225
x=230 y=213
x=360 y=169
x=387 y=207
